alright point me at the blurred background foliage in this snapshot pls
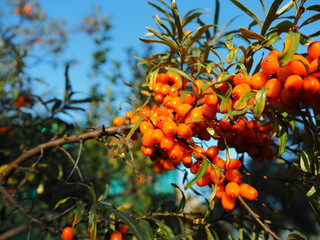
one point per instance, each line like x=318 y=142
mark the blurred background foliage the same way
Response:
x=44 y=185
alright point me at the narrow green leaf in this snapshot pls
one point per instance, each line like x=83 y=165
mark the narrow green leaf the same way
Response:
x=261 y=98
x=242 y=102
x=281 y=27
x=251 y=34
x=208 y=234
x=231 y=56
x=165 y=231
x=285 y=8
x=282 y=136
x=61 y=201
x=272 y=15
x=93 y=221
x=169 y=42
x=228 y=41
x=79 y=213
x=159 y=21
x=313 y=8
x=198 y=33
x=307 y=153
x=247 y=11
x=135 y=126
x=151 y=78
x=177 y=19
x=106 y=192
x=199 y=174
x=183 y=198
x=271 y=39
x=290 y=47
x=190 y=16
x=295 y=236
x=146 y=40
x=311 y=19
x=311 y=191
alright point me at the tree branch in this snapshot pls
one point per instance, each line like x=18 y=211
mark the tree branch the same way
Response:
x=96 y=134
x=255 y=216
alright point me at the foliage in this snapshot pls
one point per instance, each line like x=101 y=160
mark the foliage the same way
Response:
x=252 y=137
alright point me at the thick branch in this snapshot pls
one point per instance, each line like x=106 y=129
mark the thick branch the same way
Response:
x=96 y=134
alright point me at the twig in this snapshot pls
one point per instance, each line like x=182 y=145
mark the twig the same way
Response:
x=255 y=216
x=25 y=212
x=72 y=160
x=59 y=142
x=12 y=232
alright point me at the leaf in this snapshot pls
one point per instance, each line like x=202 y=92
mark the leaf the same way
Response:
x=295 y=236
x=228 y=41
x=290 y=47
x=311 y=19
x=271 y=39
x=282 y=137
x=152 y=78
x=272 y=15
x=61 y=201
x=183 y=198
x=177 y=19
x=281 y=27
x=159 y=21
x=189 y=16
x=314 y=8
x=93 y=220
x=251 y=34
x=199 y=174
x=146 y=40
x=261 y=98
x=247 y=11
x=79 y=213
x=311 y=191
x=180 y=72
x=242 y=102
x=135 y=126
x=231 y=56
x=141 y=231
x=208 y=234
x=307 y=153
x=199 y=32
x=285 y=8
x=168 y=41
x=164 y=229
x=104 y=195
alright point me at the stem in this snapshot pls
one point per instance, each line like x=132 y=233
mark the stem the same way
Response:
x=256 y=217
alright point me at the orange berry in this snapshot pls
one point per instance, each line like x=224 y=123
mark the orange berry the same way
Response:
x=258 y=80
x=187 y=159
x=198 y=152
x=314 y=68
x=175 y=102
x=67 y=233
x=274 y=54
x=182 y=110
x=212 y=152
x=293 y=84
x=248 y=191
x=168 y=165
x=233 y=175
x=145 y=126
x=219 y=162
x=211 y=99
x=147 y=140
x=184 y=131
x=118 y=121
x=274 y=85
x=209 y=111
x=310 y=84
x=283 y=73
x=232 y=189
x=158 y=168
x=239 y=78
x=204 y=181
x=220 y=190
x=194 y=168
x=27 y=9
x=158 y=98
x=197 y=85
x=116 y=236
x=228 y=203
x=299 y=65
x=269 y=65
x=156 y=135
x=167 y=143
x=239 y=90
x=215 y=175
x=234 y=163
x=314 y=49
x=175 y=152
x=128 y=115
x=147 y=151
x=145 y=111
x=189 y=98
x=224 y=124
x=169 y=128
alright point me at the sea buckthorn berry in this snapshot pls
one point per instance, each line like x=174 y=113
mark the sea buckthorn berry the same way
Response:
x=196 y=113
x=116 y=236
x=198 y=152
x=212 y=152
x=220 y=190
x=310 y=84
x=209 y=111
x=189 y=98
x=147 y=140
x=187 y=159
x=215 y=175
x=169 y=128
x=228 y=203
x=145 y=111
x=167 y=143
x=144 y=126
x=233 y=175
x=194 y=168
x=158 y=168
x=299 y=65
x=118 y=121
x=274 y=54
x=224 y=124
x=158 y=98
x=175 y=102
x=182 y=110
x=128 y=115
x=258 y=80
x=314 y=49
x=219 y=162
x=168 y=165
x=314 y=68
x=156 y=136
x=197 y=85
x=232 y=189
x=274 y=86
x=283 y=73
x=184 y=131
x=239 y=78
x=67 y=233
x=269 y=65
x=147 y=151
x=293 y=84
x=211 y=99
x=239 y=90
x=204 y=181
x=248 y=191
x=175 y=152
x=234 y=163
